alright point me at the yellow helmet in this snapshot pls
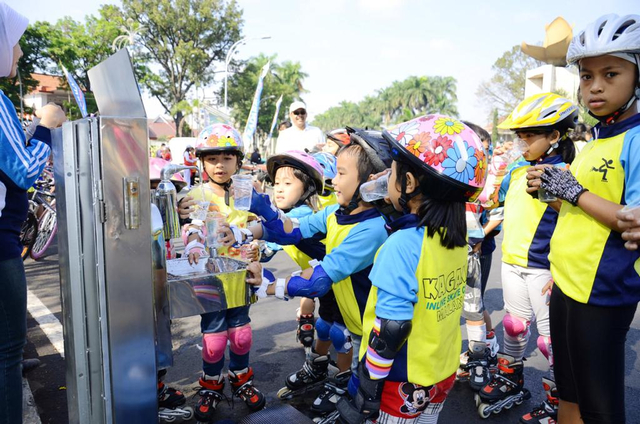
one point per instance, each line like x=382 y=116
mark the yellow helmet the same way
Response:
x=541 y=110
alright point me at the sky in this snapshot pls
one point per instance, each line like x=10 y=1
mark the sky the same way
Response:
x=351 y=48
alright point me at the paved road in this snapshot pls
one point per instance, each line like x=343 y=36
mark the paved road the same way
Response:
x=275 y=353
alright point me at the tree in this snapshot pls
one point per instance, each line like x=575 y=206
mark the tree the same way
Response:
x=283 y=79
x=401 y=101
x=506 y=88
x=183 y=38
x=494 y=129
x=33 y=42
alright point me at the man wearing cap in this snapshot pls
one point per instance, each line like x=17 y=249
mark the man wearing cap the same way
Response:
x=300 y=136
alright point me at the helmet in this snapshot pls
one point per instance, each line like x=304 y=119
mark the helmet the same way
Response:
x=219 y=138
x=299 y=160
x=374 y=145
x=542 y=110
x=339 y=136
x=155 y=167
x=607 y=35
x=329 y=165
x=448 y=152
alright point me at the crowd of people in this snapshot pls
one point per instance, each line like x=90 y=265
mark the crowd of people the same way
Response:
x=393 y=276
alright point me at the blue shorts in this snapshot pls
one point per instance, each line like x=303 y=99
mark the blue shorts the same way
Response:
x=217 y=322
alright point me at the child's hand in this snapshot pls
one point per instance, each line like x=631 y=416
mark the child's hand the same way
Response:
x=533 y=177
x=546 y=290
x=194 y=257
x=629 y=221
x=254 y=252
x=254 y=274
x=226 y=236
x=186 y=206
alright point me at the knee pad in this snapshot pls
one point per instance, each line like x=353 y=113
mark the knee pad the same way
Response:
x=544 y=344
x=341 y=338
x=213 y=346
x=240 y=339
x=515 y=327
x=323 y=329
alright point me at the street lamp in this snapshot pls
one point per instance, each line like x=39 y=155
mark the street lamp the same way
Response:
x=228 y=60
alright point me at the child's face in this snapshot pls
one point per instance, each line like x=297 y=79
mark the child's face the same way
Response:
x=392 y=187
x=331 y=147
x=606 y=83
x=538 y=144
x=347 y=178
x=287 y=189
x=221 y=166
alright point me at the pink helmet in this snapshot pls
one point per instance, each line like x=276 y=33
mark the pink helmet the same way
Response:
x=450 y=154
x=219 y=138
x=300 y=160
x=155 y=167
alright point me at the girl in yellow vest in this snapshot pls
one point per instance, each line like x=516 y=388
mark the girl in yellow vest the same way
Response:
x=542 y=123
x=411 y=326
x=597 y=280
x=219 y=148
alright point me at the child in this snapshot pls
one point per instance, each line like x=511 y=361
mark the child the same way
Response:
x=542 y=121
x=329 y=165
x=336 y=139
x=220 y=151
x=298 y=178
x=190 y=159
x=411 y=321
x=597 y=281
x=354 y=228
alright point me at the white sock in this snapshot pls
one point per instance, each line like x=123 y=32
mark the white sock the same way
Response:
x=477 y=333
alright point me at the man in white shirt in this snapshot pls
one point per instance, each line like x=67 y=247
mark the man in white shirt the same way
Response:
x=300 y=136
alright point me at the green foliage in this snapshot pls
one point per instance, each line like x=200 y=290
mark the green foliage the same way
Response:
x=284 y=79
x=506 y=88
x=33 y=42
x=400 y=102
x=494 y=131
x=183 y=38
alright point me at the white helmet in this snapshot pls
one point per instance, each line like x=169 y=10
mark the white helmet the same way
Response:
x=608 y=34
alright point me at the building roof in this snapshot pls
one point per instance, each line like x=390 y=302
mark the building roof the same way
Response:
x=47 y=83
x=161 y=127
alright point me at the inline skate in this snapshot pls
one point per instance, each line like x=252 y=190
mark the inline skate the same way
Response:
x=505 y=389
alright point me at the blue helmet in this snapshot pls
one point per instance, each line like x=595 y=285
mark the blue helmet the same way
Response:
x=329 y=166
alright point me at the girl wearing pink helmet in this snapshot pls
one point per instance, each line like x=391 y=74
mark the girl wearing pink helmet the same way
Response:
x=412 y=317
x=219 y=149
x=298 y=181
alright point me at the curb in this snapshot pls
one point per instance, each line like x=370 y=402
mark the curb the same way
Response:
x=29 y=411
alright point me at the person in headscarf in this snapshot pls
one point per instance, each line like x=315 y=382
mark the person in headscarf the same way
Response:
x=21 y=162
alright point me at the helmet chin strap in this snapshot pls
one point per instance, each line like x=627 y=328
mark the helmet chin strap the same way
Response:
x=310 y=191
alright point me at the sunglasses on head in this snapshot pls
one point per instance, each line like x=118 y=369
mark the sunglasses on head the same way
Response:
x=300 y=112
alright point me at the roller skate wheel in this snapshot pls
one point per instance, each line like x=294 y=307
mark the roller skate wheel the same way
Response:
x=519 y=401
x=169 y=419
x=483 y=410
x=477 y=400
x=285 y=393
x=188 y=413
x=509 y=405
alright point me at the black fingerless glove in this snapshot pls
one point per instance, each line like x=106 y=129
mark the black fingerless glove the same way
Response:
x=561 y=183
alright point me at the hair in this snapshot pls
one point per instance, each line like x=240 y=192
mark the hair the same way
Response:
x=365 y=166
x=481 y=132
x=311 y=201
x=580 y=132
x=442 y=217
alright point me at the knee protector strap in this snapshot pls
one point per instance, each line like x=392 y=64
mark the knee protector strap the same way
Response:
x=323 y=329
x=544 y=344
x=318 y=285
x=213 y=346
x=240 y=339
x=341 y=338
x=515 y=327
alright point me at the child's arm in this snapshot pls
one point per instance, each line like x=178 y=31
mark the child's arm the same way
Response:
x=562 y=183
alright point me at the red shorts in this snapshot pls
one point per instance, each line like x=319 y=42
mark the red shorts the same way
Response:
x=407 y=400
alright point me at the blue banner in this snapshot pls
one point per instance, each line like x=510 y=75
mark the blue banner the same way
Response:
x=252 y=120
x=77 y=93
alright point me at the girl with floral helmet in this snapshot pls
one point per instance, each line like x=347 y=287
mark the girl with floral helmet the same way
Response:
x=411 y=326
x=541 y=123
x=597 y=280
x=220 y=150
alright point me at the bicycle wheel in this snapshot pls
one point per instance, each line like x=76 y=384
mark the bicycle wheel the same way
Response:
x=28 y=234
x=46 y=232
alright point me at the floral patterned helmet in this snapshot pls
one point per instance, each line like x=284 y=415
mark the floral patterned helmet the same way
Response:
x=450 y=154
x=300 y=160
x=219 y=138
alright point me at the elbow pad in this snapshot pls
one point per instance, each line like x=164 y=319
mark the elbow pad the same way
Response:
x=388 y=336
x=273 y=231
x=318 y=285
